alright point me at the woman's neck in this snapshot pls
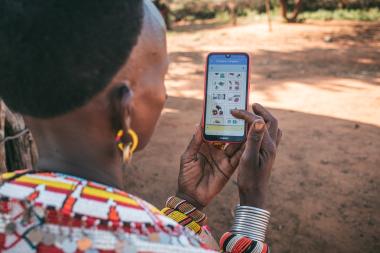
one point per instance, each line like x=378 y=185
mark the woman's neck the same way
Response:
x=78 y=144
x=101 y=171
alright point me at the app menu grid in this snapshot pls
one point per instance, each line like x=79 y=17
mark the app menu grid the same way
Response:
x=225 y=92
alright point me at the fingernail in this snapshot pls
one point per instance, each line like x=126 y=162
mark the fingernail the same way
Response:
x=234 y=110
x=259 y=125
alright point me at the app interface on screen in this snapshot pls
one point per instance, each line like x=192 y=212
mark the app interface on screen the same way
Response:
x=226 y=90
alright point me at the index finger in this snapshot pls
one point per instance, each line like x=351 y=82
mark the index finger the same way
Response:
x=268 y=118
x=245 y=115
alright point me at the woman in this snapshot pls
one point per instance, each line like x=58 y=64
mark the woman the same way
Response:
x=82 y=73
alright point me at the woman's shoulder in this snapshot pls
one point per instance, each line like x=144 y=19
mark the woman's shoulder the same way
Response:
x=63 y=211
x=69 y=194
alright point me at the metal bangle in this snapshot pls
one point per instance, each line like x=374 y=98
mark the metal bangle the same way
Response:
x=259 y=238
x=249 y=234
x=252 y=216
x=241 y=208
x=253 y=209
x=249 y=217
x=253 y=212
x=251 y=222
x=249 y=228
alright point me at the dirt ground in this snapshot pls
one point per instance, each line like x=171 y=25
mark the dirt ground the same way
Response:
x=322 y=81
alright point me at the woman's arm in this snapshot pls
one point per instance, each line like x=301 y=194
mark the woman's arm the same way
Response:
x=258 y=156
x=251 y=220
x=205 y=170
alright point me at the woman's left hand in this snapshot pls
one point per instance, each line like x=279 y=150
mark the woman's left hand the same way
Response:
x=205 y=169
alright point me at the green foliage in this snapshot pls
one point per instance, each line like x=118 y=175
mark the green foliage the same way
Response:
x=372 y=14
x=309 y=5
x=259 y=5
x=367 y=10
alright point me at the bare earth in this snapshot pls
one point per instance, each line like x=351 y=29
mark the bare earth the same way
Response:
x=325 y=186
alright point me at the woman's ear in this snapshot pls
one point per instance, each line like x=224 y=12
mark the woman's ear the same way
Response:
x=121 y=106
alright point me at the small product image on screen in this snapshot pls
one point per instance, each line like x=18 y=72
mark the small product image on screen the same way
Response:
x=226 y=89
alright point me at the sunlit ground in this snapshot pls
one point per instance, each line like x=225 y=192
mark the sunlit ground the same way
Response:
x=322 y=81
x=293 y=67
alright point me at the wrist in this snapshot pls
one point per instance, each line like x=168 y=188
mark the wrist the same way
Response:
x=255 y=198
x=190 y=199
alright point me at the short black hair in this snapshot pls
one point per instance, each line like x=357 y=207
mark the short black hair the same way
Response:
x=55 y=55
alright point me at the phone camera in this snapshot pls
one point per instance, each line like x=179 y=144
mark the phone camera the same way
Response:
x=228 y=56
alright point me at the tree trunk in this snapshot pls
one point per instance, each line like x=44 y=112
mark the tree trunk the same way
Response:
x=267 y=8
x=232 y=9
x=17 y=147
x=284 y=9
x=296 y=11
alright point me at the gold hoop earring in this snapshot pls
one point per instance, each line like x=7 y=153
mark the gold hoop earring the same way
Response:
x=127 y=148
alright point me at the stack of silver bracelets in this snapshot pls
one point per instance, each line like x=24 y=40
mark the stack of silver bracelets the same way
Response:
x=251 y=222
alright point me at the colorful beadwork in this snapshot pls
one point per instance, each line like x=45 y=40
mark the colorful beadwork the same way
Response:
x=185 y=207
x=234 y=243
x=54 y=212
x=182 y=219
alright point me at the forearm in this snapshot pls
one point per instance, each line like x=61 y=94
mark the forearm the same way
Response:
x=246 y=235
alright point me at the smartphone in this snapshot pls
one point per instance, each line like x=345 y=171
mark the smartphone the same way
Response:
x=226 y=88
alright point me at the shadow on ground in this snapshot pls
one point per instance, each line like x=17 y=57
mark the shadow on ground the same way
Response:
x=362 y=33
x=324 y=190
x=354 y=63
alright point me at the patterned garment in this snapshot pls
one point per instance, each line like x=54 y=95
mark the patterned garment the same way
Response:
x=54 y=212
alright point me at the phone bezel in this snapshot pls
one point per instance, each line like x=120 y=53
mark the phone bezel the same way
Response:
x=217 y=138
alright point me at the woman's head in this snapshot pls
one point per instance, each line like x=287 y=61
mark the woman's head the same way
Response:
x=78 y=71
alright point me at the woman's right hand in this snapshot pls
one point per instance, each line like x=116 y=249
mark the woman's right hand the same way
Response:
x=258 y=155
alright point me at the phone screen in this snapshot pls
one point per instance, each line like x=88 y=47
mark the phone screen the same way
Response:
x=226 y=88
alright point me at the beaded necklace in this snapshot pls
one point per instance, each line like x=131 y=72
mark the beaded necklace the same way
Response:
x=53 y=212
